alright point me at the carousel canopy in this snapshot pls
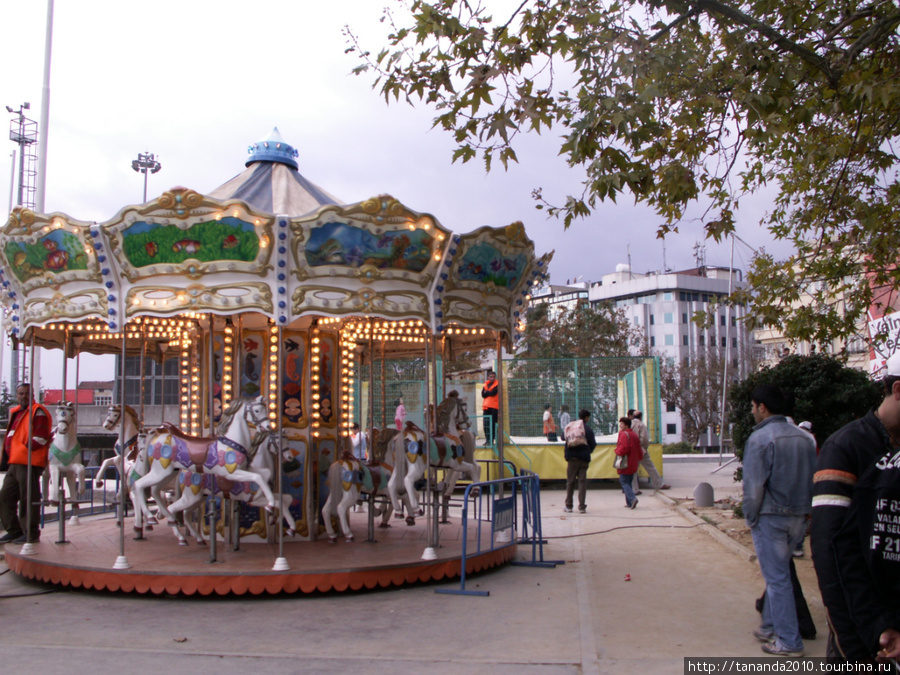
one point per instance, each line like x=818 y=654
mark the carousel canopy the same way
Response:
x=267 y=242
x=272 y=182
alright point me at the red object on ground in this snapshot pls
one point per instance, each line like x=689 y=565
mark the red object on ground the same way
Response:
x=627 y=577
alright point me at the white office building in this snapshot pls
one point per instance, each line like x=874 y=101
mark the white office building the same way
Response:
x=662 y=306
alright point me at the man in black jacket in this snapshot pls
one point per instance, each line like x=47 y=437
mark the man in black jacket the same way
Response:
x=855 y=533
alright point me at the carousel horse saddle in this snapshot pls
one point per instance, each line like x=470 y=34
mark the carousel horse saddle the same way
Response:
x=197 y=446
x=447 y=448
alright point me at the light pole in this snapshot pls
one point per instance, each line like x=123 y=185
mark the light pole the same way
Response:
x=146 y=163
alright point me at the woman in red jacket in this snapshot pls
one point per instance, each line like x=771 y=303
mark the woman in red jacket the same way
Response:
x=628 y=445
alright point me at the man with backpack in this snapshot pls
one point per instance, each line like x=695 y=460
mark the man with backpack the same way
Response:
x=580 y=443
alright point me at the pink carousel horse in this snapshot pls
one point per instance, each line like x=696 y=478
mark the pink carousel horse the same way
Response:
x=228 y=455
x=194 y=486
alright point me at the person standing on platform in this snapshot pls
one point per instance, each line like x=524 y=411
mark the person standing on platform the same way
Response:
x=549 y=424
x=564 y=417
x=399 y=413
x=28 y=421
x=778 y=465
x=490 y=406
x=358 y=443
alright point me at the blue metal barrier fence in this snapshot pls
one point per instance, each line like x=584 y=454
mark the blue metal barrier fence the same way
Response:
x=501 y=509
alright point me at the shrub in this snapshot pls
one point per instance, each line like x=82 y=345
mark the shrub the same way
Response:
x=826 y=393
x=680 y=448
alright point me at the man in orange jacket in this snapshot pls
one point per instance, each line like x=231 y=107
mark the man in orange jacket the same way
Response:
x=490 y=406
x=27 y=420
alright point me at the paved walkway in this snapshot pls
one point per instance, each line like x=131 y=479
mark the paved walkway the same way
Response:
x=688 y=596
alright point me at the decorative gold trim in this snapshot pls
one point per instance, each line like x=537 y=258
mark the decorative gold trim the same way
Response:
x=198 y=298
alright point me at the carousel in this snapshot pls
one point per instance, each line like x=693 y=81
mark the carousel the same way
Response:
x=278 y=303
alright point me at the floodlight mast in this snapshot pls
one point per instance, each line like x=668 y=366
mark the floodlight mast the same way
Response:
x=146 y=163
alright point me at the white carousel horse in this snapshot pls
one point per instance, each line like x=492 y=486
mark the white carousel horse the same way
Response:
x=194 y=486
x=452 y=426
x=65 y=459
x=228 y=455
x=454 y=450
x=128 y=439
x=347 y=478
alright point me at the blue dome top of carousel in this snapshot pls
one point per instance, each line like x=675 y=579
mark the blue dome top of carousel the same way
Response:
x=272 y=148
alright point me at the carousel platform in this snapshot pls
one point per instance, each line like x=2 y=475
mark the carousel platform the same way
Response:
x=159 y=566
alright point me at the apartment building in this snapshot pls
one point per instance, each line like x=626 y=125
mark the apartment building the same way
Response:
x=663 y=304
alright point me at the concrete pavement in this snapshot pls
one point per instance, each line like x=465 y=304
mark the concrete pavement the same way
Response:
x=688 y=596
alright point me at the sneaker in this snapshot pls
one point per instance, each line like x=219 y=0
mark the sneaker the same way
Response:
x=24 y=539
x=638 y=492
x=775 y=648
x=764 y=635
x=664 y=487
x=633 y=504
x=6 y=538
x=567 y=509
x=798 y=553
x=582 y=509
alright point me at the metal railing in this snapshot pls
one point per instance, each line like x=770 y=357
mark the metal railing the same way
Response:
x=499 y=509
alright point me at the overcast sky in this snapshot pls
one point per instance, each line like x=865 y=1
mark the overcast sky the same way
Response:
x=197 y=82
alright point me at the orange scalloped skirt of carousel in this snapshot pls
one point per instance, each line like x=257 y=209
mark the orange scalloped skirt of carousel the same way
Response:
x=160 y=566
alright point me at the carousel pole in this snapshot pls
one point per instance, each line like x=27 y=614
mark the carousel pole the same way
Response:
x=281 y=563
x=28 y=548
x=122 y=562
x=143 y=361
x=371 y=401
x=61 y=507
x=213 y=543
x=383 y=390
x=235 y=393
x=430 y=512
x=498 y=433
x=139 y=534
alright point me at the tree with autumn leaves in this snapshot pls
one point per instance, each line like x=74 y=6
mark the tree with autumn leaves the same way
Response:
x=681 y=102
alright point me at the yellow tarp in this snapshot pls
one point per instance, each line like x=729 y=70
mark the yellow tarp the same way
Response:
x=547 y=460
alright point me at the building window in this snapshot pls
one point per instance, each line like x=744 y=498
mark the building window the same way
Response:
x=734 y=342
x=161 y=382
x=667 y=296
x=734 y=321
x=702 y=340
x=684 y=317
x=103 y=400
x=670 y=407
x=724 y=342
x=668 y=317
x=652 y=340
x=671 y=429
x=721 y=319
x=670 y=339
x=684 y=340
x=652 y=321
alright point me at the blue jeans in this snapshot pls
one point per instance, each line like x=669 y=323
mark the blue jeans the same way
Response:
x=775 y=538
x=625 y=481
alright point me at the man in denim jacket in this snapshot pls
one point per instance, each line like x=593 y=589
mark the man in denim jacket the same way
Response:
x=779 y=461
